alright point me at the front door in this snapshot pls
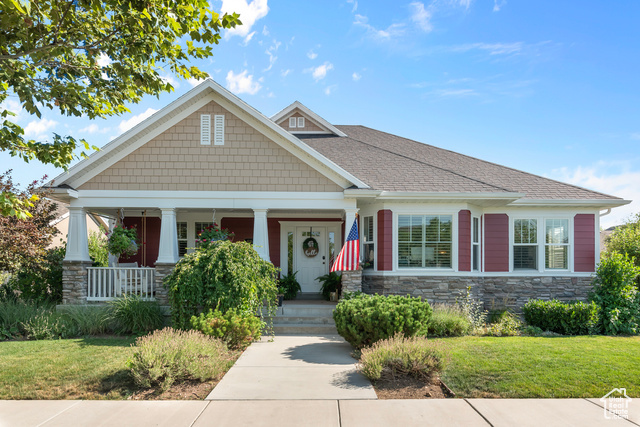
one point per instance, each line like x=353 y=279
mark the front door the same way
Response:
x=310 y=256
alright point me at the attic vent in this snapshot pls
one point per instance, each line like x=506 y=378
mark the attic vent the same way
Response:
x=292 y=122
x=205 y=129
x=300 y=122
x=218 y=136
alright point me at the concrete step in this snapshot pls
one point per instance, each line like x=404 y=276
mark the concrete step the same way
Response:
x=306 y=329
x=294 y=320
x=304 y=310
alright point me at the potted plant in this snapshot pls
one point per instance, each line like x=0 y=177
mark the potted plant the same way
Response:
x=288 y=286
x=211 y=234
x=123 y=241
x=331 y=283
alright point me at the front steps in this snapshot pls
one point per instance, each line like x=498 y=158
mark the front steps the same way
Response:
x=302 y=318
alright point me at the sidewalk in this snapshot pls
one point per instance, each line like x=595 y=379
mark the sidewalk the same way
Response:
x=334 y=413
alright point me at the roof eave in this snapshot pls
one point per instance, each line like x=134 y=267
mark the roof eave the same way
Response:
x=605 y=203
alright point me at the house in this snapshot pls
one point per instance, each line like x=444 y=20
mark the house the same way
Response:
x=94 y=224
x=433 y=222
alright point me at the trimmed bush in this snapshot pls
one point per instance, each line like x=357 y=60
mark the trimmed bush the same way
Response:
x=133 y=315
x=616 y=293
x=168 y=356
x=222 y=276
x=566 y=318
x=415 y=356
x=448 y=321
x=237 y=331
x=366 y=319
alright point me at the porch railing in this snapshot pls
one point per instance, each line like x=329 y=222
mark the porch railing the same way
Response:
x=107 y=283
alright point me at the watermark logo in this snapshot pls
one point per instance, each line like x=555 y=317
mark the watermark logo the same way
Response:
x=616 y=404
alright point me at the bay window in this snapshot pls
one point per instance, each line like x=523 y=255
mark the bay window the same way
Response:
x=425 y=241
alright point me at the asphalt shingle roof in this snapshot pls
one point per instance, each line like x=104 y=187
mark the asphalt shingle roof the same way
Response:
x=392 y=163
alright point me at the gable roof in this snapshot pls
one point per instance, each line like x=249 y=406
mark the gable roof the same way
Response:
x=390 y=163
x=313 y=116
x=179 y=109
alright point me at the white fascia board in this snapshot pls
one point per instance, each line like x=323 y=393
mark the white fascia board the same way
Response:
x=63 y=195
x=361 y=193
x=571 y=203
x=297 y=104
x=394 y=195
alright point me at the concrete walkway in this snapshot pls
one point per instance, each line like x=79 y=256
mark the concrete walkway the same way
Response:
x=295 y=367
x=334 y=413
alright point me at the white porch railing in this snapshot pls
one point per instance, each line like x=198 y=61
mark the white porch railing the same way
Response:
x=107 y=283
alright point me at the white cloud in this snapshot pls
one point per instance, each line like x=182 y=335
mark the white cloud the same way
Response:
x=171 y=80
x=248 y=38
x=194 y=82
x=265 y=31
x=285 y=73
x=355 y=76
x=492 y=48
x=312 y=55
x=497 y=5
x=93 y=128
x=125 y=125
x=271 y=53
x=355 y=5
x=465 y=3
x=39 y=127
x=13 y=106
x=456 y=93
x=613 y=178
x=329 y=89
x=249 y=12
x=242 y=83
x=320 y=72
x=104 y=60
x=392 y=31
x=420 y=16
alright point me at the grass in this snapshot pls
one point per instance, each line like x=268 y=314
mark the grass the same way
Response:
x=543 y=367
x=92 y=368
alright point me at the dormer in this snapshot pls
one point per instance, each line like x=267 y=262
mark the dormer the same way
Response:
x=299 y=120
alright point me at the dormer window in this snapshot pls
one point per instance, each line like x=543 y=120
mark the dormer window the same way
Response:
x=292 y=122
x=300 y=122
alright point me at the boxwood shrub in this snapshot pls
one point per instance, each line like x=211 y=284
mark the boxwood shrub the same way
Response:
x=566 y=318
x=366 y=319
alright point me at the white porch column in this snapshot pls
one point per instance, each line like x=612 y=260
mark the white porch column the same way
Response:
x=77 y=239
x=168 y=250
x=349 y=217
x=261 y=233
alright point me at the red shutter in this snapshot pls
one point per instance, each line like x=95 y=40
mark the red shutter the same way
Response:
x=385 y=250
x=496 y=242
x=584 y=238
x=464 y=240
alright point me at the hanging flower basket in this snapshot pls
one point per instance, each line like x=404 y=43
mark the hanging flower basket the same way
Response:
x=123 y=241
x=211 y=234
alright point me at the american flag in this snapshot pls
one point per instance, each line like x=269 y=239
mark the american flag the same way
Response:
x=349 y=257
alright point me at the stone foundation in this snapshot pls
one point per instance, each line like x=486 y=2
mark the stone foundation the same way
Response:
x=352 y=281
x=494 y=292
x=74 y=282
x=162 y=271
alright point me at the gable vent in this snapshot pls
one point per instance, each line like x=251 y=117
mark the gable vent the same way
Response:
x=205 y=129
x=300 y=122
x=218 y=136
x=292 y=122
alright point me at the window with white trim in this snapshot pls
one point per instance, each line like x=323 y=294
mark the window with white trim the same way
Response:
x=525 y=244
x=556 y=244
x=218 y=131
x=475 y=244
x=425 y=241
x=368 y=245
x=292 y=122
x=182 y=238
x=300 y=122
x=205 y=129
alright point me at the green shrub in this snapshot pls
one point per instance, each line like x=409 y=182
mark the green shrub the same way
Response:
x=626 y=239
x=223 y=275
x=566 y=318
x=414 y=356
x=237 y=331
x=90 y=320
x=473 y=309
x=616 y=293
x=133 y=315
x=98 y=248
x=49 y=326
x=331 y=282
x=365 y=319
x=448 y=321
x=288 y=286
x=168 y=356
x=507 y=325
x=42 y=281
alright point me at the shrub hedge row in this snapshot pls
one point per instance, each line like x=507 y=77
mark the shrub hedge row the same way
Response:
x=567 y=318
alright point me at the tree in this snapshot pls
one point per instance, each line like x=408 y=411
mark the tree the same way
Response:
x=626 y=239
x=90 y=58
x=23 y=242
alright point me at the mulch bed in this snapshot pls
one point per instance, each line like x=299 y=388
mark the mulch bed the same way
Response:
x=408 y=387
x=189 y=390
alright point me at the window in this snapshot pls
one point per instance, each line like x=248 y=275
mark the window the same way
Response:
x=300 y=122
x=205 y=129
x=218 y=136
x=292 y=122
x=525 y=244
x=475 y=244
x=556 y=244
x=290 y=252
x=368 y=257
x=200 y=226
x=182 y=238
x=425 y=241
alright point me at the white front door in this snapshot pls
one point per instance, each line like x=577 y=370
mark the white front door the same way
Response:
x=309 y=262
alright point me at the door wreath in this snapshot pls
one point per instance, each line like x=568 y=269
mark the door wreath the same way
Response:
x=310 y=247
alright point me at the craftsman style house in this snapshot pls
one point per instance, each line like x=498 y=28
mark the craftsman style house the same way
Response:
x=432 y=222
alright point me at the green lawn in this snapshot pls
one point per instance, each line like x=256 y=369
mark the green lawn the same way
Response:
x=92 y=368
x=542 y=367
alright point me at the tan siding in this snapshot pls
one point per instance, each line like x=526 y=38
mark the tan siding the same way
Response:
x=175 y=161
x=309 y=126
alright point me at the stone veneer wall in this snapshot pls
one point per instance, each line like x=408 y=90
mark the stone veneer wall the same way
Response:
x=351 y=281
x=162 y=271
x=499 y=292
x=74 y=281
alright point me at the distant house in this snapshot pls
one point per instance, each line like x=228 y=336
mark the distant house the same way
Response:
x=61 y=222
x=604 y=235
x=432 y=222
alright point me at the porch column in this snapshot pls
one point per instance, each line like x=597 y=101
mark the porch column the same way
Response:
x=77 y=240
x=261 y=233
x=168 y=250
x=349 y=217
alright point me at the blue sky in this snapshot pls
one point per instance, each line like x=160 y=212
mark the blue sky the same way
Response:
x=548 y=87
